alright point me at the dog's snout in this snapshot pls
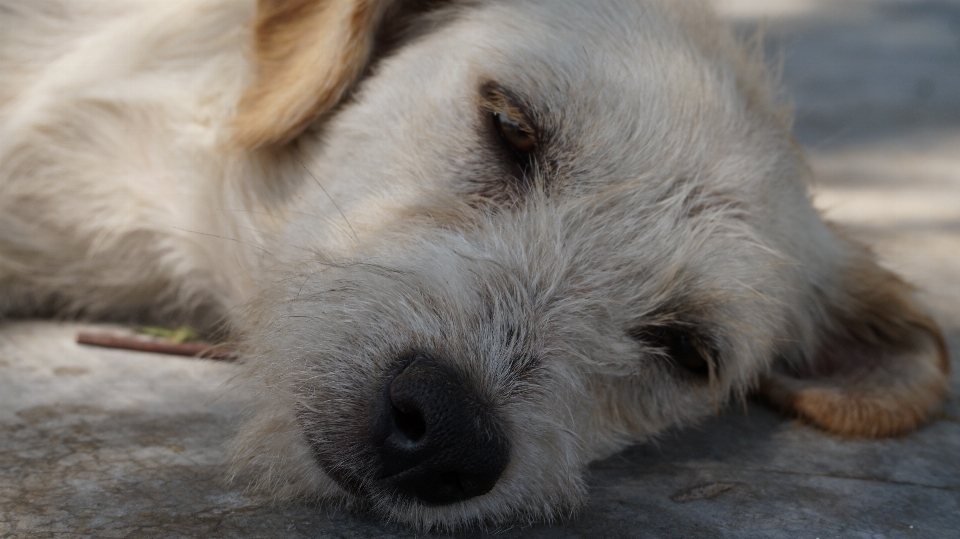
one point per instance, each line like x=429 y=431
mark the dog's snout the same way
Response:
x=436 y=440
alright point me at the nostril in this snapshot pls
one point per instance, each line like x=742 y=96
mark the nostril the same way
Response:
x=436 y=439
x=409 y=424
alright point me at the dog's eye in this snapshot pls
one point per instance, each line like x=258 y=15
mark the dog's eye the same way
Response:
x=682 y=349
x=511 y=122
x=517 y=135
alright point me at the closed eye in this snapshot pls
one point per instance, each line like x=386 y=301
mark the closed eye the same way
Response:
x=516 y=134
x=686 y=351
x=511 y=127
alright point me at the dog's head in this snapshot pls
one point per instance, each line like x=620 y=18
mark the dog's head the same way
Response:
x=539 y=231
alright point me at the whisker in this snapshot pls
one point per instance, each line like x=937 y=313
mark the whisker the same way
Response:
x=268 y=214
x=334 y=202
x=228 y=239
x=321 y=215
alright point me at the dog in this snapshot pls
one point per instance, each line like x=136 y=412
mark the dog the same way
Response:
x=469 y=246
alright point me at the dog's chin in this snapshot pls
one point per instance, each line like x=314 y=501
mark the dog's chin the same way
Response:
x=366 y=489
x=375 y=496
x=507 y=503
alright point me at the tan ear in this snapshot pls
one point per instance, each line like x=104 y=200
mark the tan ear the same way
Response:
x=308 y=54
x=879 y=366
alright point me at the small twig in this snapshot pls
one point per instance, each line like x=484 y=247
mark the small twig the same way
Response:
x=701 y=492
x=195 y=349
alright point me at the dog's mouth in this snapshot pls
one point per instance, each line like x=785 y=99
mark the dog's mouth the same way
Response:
x=429 y=439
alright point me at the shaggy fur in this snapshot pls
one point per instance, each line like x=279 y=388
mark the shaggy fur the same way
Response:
x=325 y=180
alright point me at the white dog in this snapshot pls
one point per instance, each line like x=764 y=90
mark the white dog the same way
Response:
x=470 y=245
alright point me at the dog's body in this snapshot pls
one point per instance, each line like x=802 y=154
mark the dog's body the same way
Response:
x=587 y=221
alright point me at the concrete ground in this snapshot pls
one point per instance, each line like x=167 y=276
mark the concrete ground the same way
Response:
x=103 y=444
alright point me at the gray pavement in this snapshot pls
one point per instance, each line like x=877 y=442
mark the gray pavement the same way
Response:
x=105 y=444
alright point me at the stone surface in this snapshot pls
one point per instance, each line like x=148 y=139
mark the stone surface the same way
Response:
x=102 y=444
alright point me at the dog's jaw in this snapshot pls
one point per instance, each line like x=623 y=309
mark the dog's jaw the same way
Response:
x=547 y=345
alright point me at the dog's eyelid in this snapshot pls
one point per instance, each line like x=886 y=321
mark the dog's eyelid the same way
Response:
x=517 y=135
x=495 y=97
x=687 y=348
x=510 y=119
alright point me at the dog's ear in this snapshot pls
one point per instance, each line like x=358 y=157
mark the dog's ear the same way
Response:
x=875 y=366
x=308 y=54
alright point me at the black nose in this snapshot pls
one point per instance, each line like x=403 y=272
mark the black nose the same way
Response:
x=436 y=440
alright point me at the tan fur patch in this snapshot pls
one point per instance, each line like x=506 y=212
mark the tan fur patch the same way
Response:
x=308 y=53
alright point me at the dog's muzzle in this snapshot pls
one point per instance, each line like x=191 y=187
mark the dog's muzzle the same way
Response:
x=435 y=439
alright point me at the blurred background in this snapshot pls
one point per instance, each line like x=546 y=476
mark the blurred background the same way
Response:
x=876 y=89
